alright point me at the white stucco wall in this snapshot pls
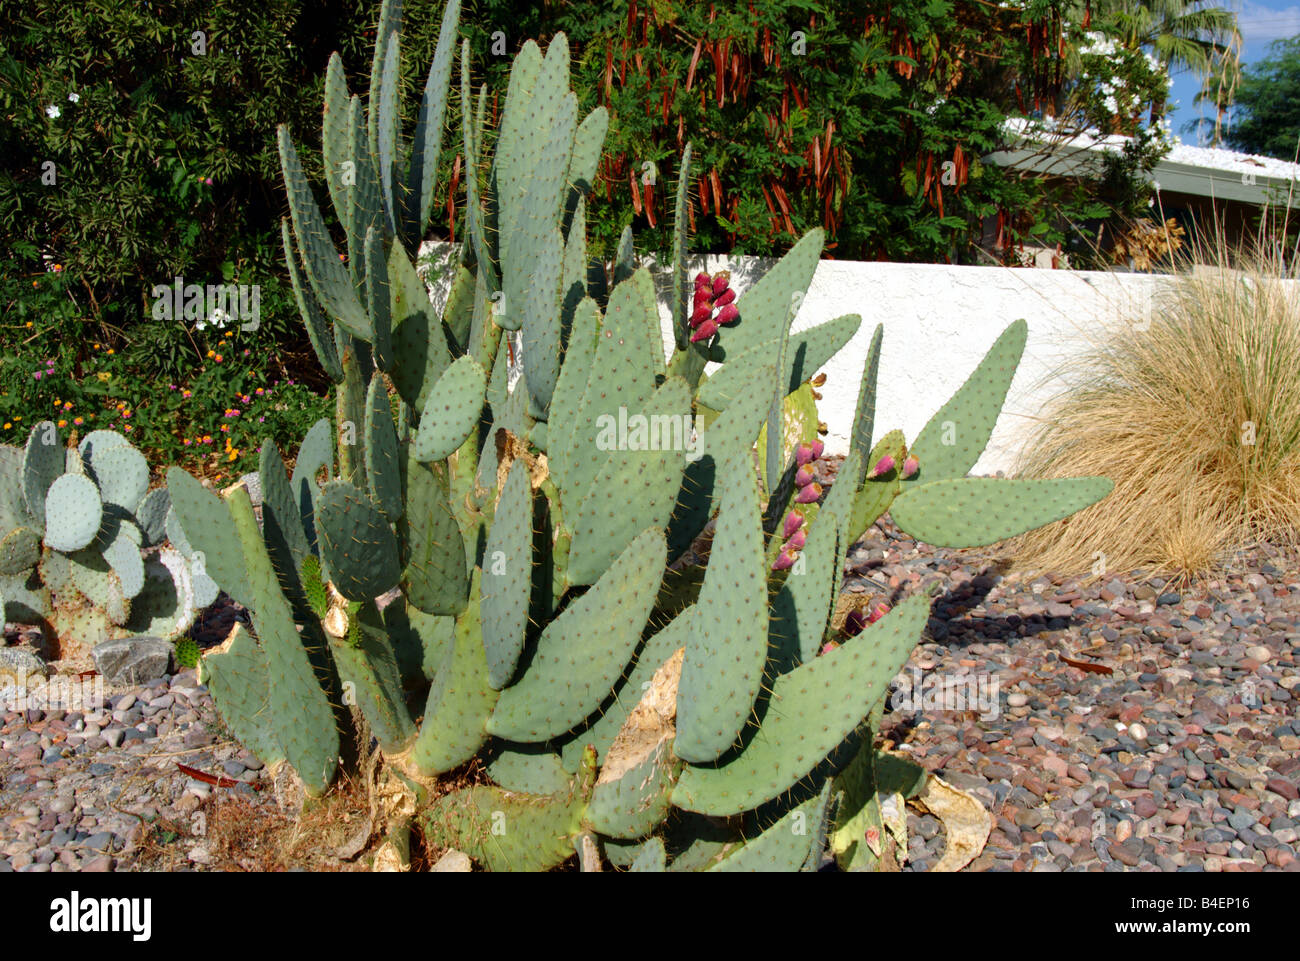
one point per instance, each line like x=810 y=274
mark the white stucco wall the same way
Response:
x=939 y=321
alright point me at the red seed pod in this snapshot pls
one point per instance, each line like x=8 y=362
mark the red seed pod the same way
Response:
x=702 y=280
x=724 y=298
x=721 y=281
x=702 y=298
x=728 y=314
x=701 y=315
x=704 y=331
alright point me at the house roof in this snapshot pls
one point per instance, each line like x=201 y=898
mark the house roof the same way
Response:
x=1202 y=171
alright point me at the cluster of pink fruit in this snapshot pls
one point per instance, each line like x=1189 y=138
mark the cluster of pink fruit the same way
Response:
x=712 y=294
x=809 y=493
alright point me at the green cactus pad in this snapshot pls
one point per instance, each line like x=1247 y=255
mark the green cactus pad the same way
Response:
x=508 y=577
x=791 y=844
x=567 y=400
x=382 y=470
x=460 y=700
x=121 y=473
x=122 y=552
x=632 y=805
x=504 y=831
x=434 y=577
x=864 y=417
x=378 y=299
x=336 y=135
x=635 y=488
x=876 y=494
x=369 y=672
x=44 y=461
x=527 y=768
x=165 y=605
x=73 y=513
x=806 y=353
x=329 y=278
x=237 y=678
x=318 y=328
x=95 y=578
x=801 y=606
x=452 y=410
x=723 y=667
x=651 y=858
x=583 y=652
x=302 y=720
x=764 y=307
x=426 y=146
x=967 y=419
x=627 y=694
x=98 y=441
x=151 y=515
x=419 y=345
x=210 y=531
x=811 y=711
x=541 y=324
x=24 y=598
x=975 y=511
x=20 y=550
x=587 y=144
x=281 y=515
x=357 y=545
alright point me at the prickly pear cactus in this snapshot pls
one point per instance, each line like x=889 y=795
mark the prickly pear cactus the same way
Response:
x=81 y=547
x=529 y=526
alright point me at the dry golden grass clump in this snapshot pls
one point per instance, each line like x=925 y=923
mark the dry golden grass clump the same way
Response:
x=1197 y=421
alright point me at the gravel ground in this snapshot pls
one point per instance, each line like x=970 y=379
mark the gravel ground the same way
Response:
x=1179 y=750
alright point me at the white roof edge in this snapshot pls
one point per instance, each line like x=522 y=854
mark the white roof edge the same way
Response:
x=1202 y=171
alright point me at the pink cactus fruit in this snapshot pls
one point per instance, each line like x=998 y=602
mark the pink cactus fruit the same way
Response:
x=810 y=494
x=784 y=561
x=817 y=449
x=793 y=521
x=804 y=476
x=829 y=646
x=910 y=466
x=804 y=455
x=728 y=314
x=724 y=298
x=701 y=315
x=704 y=331
x=883 y=466
x=877 y=612
x=702 y=281
x=721 y=281
x=796 y=541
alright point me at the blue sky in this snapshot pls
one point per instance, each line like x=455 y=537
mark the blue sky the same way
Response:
x=1261 y=22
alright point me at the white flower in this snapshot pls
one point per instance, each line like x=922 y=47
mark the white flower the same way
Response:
x=74 y=97
x=220 y=318
x=52 y=112
x=1111 y=104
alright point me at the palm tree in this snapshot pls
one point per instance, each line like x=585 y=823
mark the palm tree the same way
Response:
x=1190 y=35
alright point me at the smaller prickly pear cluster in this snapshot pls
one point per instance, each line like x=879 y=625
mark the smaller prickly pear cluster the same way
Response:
x=78 y=528
x=809 y=493
x=856 y=621
x=887 y=463
x=712 y=294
